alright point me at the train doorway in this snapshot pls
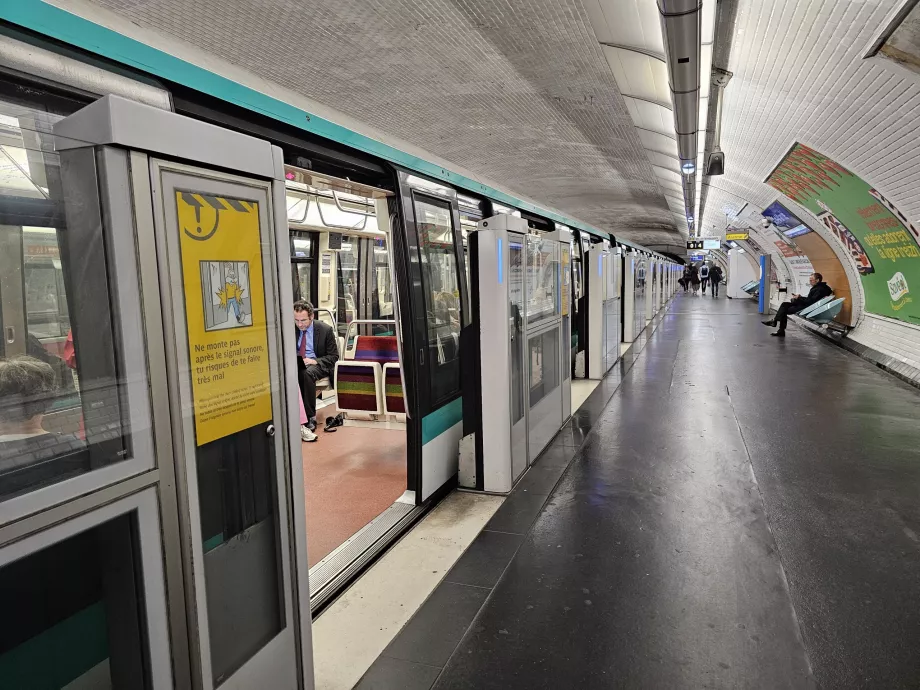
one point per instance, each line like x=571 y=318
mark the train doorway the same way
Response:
x=355 y=472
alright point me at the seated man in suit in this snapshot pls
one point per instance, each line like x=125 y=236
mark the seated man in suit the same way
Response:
x=819 y=290
x=317 y=354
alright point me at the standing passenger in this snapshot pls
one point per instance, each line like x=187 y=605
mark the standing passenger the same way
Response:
x=695 y=278
x=704 y=276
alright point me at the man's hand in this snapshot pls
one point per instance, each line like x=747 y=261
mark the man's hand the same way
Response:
x=308 y=361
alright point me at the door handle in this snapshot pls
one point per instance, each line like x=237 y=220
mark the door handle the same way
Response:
x=10 y=335
x=270 y=430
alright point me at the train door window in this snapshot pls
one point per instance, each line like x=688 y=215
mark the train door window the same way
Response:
x=440 y=280
x=303 y=266
x=73 y=389
x=349 y=282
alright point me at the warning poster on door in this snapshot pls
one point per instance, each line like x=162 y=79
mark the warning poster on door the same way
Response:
x=225 y=313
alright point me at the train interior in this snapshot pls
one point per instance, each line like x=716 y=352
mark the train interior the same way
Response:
x=341 y=258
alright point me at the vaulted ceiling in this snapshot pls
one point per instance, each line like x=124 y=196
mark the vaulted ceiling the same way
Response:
x=803 y=71
x=518 y=91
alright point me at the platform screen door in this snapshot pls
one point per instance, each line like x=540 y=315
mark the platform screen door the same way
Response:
x=220 y=287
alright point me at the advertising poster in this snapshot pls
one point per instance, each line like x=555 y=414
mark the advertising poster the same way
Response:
x=882 y=242
x=225 y=313
x=799 y=264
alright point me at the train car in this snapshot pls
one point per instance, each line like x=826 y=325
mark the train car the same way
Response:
x=379 y=249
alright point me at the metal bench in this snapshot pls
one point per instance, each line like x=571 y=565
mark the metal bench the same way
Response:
x=811 y=308
x=828 y=312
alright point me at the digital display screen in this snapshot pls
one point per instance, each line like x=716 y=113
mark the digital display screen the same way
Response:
x=783 y=219
x=795 y=232
x=712 y=244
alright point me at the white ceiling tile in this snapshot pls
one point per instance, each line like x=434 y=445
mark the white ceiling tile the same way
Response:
x=662 y=143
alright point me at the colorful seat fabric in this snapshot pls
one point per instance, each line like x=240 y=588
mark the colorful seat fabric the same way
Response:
x=357 y=386
x=394 y=402
x=377 y=348
x=369 y=380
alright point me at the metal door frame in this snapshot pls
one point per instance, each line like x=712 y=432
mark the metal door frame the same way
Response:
x=284 y=643
x=522 y=351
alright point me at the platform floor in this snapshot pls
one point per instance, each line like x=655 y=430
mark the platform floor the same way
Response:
x=732 y=511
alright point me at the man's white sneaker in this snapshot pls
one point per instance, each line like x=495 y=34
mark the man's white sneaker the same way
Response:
x=306 y=435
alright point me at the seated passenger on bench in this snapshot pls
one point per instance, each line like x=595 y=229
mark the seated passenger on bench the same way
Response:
x=317 y=354
x=819 y=290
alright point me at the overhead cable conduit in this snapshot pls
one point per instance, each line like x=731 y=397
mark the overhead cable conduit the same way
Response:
x=681 y=28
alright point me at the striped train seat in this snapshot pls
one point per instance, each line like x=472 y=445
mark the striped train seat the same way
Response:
x=369 y=381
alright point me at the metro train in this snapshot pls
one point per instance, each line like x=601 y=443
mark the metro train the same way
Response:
x=379 y=248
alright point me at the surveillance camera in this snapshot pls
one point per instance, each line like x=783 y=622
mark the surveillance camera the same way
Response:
x=765 y=222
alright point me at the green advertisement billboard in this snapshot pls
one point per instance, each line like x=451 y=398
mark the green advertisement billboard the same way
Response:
x=882 y=242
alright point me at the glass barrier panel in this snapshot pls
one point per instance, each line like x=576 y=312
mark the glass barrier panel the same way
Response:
x=543 y=353
x=543 y=274
x=73 y=613
x=69 y=352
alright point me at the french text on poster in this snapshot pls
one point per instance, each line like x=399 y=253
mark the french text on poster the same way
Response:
x=225 y=313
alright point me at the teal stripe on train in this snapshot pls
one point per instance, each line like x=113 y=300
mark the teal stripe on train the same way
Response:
x=442 y=419
x=69 y=28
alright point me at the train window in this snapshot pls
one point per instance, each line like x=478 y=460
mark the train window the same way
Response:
x=64 y=382
x=302 y=270
x=383 y=284
x=471 y=212
x=441 y=284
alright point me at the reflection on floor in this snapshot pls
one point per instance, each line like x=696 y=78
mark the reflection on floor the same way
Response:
x=350 y=477
x=581 y=389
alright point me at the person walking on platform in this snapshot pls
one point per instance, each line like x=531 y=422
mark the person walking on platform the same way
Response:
x=695 y=279
x=819 y=290
x=685 y=279
x=704 y=276
x=715 y=277
x=317 y=354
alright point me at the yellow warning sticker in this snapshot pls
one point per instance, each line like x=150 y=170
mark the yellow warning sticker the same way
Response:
x=225 y=316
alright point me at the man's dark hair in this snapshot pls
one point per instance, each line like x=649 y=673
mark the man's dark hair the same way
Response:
x=303 y=305
x=818 y=277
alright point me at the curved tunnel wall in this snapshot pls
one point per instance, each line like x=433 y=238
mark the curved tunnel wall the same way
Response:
x=826 y=263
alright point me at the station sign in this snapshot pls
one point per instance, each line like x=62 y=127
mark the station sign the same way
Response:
x=735 y=236
x=704 y=243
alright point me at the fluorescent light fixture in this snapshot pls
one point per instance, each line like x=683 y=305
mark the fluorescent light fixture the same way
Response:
x=688 y=167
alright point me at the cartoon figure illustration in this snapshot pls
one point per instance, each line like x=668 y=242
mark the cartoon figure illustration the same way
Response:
x=225 y=294
x=231 y=293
